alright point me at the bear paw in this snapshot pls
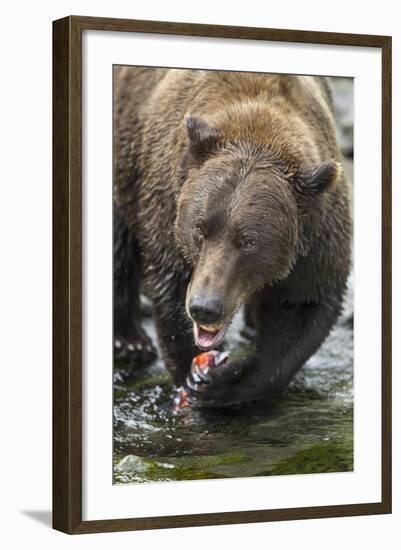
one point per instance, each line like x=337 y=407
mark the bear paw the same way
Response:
x=137 y=351
x=211 y=378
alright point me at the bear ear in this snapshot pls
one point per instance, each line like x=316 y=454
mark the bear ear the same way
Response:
x=316 y=179
x=203 y=136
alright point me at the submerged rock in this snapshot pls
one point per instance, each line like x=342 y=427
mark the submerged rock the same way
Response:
x=132 y=463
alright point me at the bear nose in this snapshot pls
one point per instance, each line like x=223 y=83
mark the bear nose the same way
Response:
x=206 y=309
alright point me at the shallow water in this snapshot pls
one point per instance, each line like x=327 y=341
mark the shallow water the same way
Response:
x=309 y=429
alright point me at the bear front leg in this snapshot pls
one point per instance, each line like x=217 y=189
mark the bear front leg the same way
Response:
x=287 y=337
x=132 y=345
x=174 y=331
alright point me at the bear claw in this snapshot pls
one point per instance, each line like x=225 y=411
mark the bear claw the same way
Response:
x=202 y=374
x=138 y=352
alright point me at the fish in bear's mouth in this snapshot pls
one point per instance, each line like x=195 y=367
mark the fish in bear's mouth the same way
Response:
x=209 y=336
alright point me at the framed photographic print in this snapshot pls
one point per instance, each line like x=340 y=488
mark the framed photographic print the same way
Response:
x=222 y=274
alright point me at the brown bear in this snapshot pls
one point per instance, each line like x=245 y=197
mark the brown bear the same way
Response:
x=228 y=192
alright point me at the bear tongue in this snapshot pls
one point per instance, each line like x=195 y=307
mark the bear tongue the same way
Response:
x=207 y=339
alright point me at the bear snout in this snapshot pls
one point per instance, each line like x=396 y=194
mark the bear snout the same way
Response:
x=206 y=309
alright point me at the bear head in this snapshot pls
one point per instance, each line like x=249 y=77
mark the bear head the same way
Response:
x=244 y=216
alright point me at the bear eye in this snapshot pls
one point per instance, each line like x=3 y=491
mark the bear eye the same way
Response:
x=248 y=243
x=200 y=233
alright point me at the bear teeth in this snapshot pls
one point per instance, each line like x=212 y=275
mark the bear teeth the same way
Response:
x=212 y=329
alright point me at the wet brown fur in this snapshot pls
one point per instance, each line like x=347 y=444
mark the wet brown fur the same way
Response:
x=252 y=153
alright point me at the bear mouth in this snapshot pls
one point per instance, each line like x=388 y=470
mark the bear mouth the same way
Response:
x=209 y=336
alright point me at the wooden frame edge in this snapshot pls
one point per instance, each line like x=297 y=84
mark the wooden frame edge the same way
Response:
x=228 y=518
x=67 y=225
x=67 y=275
x=386 y=272
x=227 y=31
